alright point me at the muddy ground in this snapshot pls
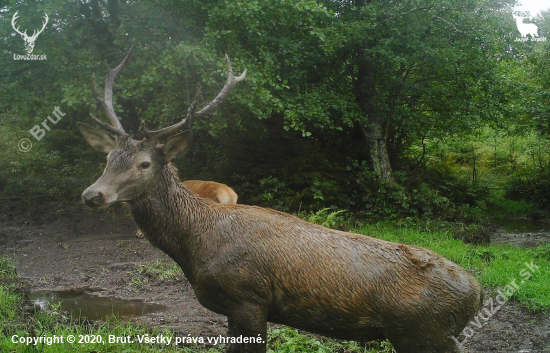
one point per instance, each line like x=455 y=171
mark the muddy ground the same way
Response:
x=67 y=246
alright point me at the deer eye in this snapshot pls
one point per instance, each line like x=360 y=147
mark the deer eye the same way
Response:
x=145 y=165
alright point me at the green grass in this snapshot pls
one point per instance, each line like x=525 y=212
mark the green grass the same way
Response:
x=289 y=340
x=159 y=270
x=505 y=208
x=48 y=325
x=10 y=300
x=9 y=303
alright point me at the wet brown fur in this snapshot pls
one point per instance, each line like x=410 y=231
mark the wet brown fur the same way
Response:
x=212 y=190
x=255 y=265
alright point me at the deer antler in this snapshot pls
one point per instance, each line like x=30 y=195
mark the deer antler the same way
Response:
x=15 y=17
x=209 y=108
x=107 y=102
x=36 y=32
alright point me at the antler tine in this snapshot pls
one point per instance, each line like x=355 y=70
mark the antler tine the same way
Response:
x=209 y=108
x=107 y=127
x=13 y=24
x=107 y=103
x=173 y=129
x=46 y=18
x=231 y=82
x=36 y=32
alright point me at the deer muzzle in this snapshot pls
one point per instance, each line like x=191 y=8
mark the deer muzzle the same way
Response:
x=99 y=197
x=93 y=198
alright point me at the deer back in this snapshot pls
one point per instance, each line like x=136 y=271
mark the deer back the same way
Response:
x=218 y=192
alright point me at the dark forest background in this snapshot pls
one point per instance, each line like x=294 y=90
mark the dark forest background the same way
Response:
x=381 y=108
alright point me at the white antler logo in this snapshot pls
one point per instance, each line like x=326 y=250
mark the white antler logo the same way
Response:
x=29 y=40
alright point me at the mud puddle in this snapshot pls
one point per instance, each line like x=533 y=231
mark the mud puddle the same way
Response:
x=524 y=233
x=84 y=304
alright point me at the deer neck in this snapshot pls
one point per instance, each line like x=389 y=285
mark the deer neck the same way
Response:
x=170 y=217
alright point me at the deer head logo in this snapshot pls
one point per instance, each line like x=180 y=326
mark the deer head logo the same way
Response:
x=29 y=40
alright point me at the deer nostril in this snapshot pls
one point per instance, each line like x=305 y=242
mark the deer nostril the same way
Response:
x=93 y=199
x=97 y=199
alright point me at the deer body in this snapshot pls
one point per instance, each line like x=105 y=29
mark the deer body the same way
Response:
x=526 y=28
x=255 y=265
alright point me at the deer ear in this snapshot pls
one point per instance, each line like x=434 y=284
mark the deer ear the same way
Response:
x=98 y=139
x=177 y=145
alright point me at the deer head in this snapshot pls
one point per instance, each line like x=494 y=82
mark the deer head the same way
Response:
x=133 y=167
x=29 y=40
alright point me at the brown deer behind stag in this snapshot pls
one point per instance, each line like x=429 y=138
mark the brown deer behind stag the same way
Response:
x=217 y=192
x=255 y=265
x=211 y=190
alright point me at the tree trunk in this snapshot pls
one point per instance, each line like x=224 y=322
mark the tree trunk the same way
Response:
x=375 y=133
x=377 y=141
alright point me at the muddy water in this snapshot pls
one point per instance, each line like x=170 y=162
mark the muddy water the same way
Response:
x=524 y=233
x=84 y=304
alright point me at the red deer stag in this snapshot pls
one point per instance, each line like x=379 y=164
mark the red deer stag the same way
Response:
x=256 y=265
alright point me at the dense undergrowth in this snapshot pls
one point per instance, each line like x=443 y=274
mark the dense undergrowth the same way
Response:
x=454 y=179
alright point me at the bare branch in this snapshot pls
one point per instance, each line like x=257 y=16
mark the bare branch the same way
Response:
x=448 y=23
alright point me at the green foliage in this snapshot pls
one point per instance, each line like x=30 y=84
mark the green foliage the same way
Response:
x=324 y=217
x=537 y=190
x=9 y=305
x=533 y=185
x=292 y=135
